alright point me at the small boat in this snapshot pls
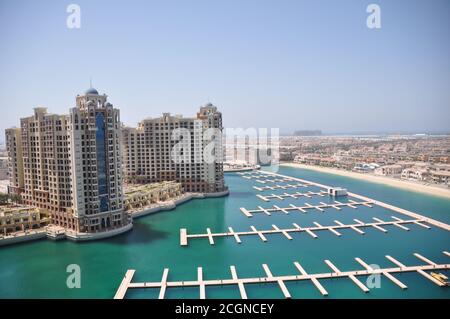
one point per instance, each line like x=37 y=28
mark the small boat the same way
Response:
x=440 y=277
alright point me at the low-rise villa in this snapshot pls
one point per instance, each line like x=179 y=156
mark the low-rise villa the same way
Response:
x=15 y=218
x=139 y=196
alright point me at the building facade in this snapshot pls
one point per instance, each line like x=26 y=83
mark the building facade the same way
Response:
x=415 y=174
x=96 y=164
x=46 y=162
x=72 y=165
x=440 y=174
x=148 y=155
x=15 y=160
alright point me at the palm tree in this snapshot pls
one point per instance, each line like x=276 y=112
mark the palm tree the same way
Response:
x=17 y=199
x=4 y=199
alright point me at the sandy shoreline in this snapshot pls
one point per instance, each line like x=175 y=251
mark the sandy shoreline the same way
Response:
x=416 y=187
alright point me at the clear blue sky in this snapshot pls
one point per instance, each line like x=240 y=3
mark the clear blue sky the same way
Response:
x=288 y=64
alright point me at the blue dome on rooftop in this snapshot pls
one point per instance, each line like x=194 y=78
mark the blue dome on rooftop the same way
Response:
x=91 y=91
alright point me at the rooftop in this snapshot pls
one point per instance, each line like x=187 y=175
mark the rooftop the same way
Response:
x=16 y=209
x=135 y=189
x=91 y=90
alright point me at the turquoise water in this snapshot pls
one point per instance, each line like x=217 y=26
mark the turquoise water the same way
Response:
x=38 y=269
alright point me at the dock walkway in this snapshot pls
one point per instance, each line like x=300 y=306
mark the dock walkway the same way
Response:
x=303 y=209
x=296 y=195
x=282 y=279
x=287 y=186
x=184 y=236
x=275 y=176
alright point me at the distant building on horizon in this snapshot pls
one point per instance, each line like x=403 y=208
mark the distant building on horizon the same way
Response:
x=245 y=150
x=308 y=133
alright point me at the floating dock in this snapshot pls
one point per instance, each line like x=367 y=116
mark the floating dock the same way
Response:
x=287 y=186
x=353 y=275
x=184 y=236
x=303 y=209
x=124 y=285
x=274 y=180
x=365 y=199
x=358 y=227
x=296 y=195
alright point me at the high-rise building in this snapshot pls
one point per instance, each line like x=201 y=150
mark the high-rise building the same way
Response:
x=96 y=163
x=46 y=162
x=148 y=151
x=15 y=160
x=72 y=165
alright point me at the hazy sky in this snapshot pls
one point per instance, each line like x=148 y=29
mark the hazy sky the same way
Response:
x=288 y=64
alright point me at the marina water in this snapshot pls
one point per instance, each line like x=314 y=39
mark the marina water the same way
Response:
x=38 y=269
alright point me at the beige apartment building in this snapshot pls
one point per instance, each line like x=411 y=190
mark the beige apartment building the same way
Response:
x=46 y=164
x=241 y=151
x=148 y=156
x=96 y=164
x=72 y=165
x=15 y=160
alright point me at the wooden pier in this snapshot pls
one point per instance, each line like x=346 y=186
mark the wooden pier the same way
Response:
x=408 y=213
x=250 y=175
x=270 y=179
x=274 y=181
x=281 y=280
x=124 y=285
x=185 y=237
x=287 y=186
x=264 y=178
x=303 y=209
x=296 y=195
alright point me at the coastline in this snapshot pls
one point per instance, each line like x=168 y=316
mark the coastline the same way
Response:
x=21 y=237
x=174 y=203
x=411 y=186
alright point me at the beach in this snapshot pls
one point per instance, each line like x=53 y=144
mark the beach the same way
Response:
x=408 y=185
